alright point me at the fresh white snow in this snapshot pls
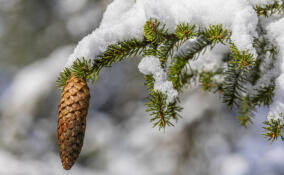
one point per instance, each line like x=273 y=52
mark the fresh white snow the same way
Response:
x=275 y=30
x=124 y=19
x=151 y=65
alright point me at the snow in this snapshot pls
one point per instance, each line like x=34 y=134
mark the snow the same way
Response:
x=124 y=19
x=151 y=65
x=260 y=2
x=205 y=61
x=275 y=30
x=243 y=29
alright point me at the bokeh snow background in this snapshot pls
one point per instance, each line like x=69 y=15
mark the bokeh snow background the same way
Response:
x=36 y=38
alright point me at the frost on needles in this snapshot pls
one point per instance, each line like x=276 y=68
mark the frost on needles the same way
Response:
x=234 y=48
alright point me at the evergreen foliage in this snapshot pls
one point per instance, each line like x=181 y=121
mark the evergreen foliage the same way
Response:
x=273 y=130
x=161 y=112
x=81 y=68
x=270 y=9
x=240 y=70
x=208 y=83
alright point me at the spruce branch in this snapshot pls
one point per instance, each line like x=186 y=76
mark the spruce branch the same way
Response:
x=235 y=94
x=162 y=45
x=243 y=60
x=234 y=80
x=63 y=77
x=115 y=52
x=118 y=52
x=208 y=83
x=270 y=9
x=216 y=34
x=177 y=72
x=267 y=53
x=166 y=50
x=239 y=65
x=185 y=31
x=164 y=42
x=82 y=68
x=260 y=44
x=264 y=95
x=245 y=111
x=206 y=37
x=154 y=32
x=243 y=81
x=273 y=129
x=233 y=85
x=157 y=106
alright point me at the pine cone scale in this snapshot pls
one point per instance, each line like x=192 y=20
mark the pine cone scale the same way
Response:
x=70 y=99
x=73 y=109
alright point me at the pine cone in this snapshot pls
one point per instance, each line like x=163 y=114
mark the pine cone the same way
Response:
x=73 y=109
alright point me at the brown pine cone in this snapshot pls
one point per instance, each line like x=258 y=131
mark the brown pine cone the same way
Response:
x=73 y=109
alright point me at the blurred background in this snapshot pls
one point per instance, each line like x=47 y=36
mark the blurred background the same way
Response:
x=36 y=37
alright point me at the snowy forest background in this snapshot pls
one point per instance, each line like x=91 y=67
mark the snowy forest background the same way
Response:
x=36 y=38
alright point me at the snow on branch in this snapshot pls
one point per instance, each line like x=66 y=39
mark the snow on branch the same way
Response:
x=151 y=66
x=124 y=19
x=275 y=30
x=171 y=36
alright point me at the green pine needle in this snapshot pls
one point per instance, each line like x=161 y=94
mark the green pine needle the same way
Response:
x=273 y=130
x=82 y=68
x=270 y=9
